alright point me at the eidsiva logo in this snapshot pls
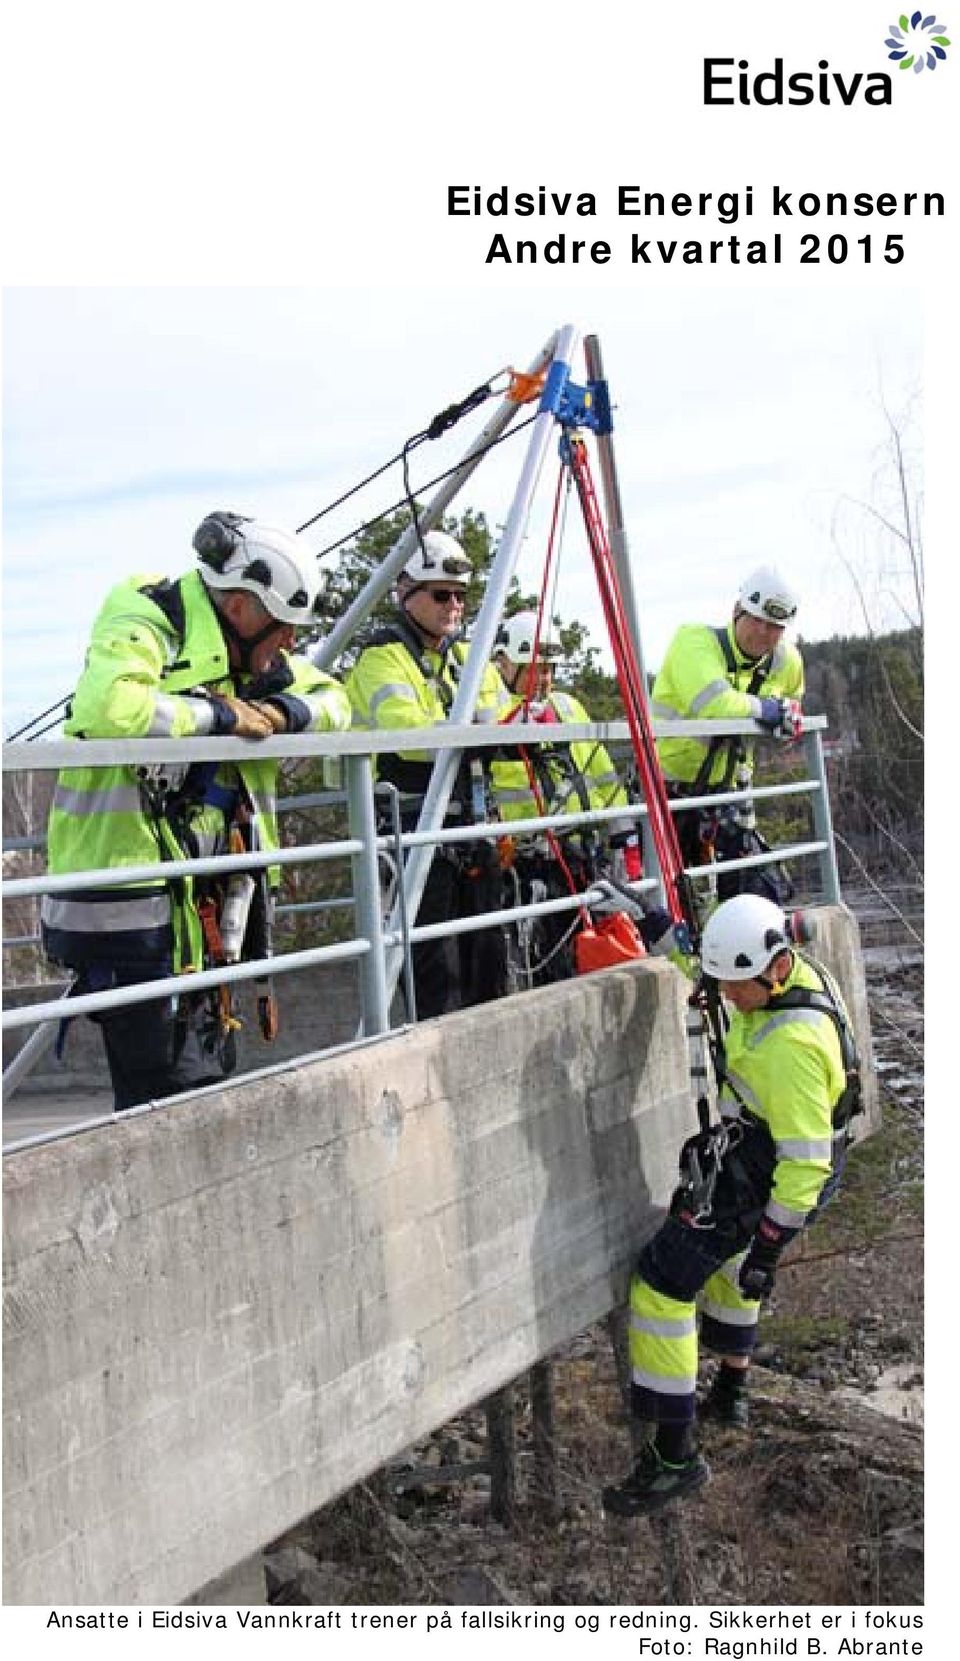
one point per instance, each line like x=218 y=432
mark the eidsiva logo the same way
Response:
x=917 y=42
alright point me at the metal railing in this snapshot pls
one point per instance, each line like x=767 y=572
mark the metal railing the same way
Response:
x=381 y=951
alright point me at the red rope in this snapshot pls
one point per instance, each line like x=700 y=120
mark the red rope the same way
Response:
x=553 y=840
x=633 y=691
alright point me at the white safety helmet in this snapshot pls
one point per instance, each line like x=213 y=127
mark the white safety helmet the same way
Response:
x=742 y=938
x=765 y=594
x=236 y=552
x=516 y=636
x=438 y=558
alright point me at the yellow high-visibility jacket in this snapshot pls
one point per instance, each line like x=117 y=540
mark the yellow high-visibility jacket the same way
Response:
x=572 y=778
x=785 y=1069
x=696 y=682
x=390 y=687
x=155 y=649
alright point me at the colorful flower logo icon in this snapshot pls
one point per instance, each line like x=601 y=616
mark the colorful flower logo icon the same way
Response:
x=917 y=42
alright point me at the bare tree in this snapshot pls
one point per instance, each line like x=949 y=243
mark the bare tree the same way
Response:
x=879 y=543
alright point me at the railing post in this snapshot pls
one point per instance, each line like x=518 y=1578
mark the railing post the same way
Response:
x=374 y=1002
x=822 y=819
x=651 y=862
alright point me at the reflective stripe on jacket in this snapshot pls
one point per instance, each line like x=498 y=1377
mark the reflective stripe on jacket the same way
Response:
x=695 y=683
x=786 y=1069
x=144 y=677
x=389 y=690
x=573 y=778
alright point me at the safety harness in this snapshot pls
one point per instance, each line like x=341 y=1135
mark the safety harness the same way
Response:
x=198 y=906
x=735 y=747
x=829 y=1002
x=702 y=1156
x=413 y=777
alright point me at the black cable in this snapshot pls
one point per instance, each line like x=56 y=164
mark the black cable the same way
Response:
x=440 y=424
x=447 y=418
x=411 y=501
x=428 y=485
x=348 y=493
x=35 y=718
x=48 y=728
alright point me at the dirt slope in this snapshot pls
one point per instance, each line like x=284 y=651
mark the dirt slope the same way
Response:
x=821 y=1504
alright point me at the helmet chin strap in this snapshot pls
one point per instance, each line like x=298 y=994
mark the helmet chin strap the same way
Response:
x=774 y=987
x=245 y=644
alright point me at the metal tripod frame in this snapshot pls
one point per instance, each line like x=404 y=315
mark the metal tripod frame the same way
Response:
x=556 y=358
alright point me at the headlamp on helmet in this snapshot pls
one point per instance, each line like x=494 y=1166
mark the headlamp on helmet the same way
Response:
x=438 y=558
x=238 y=552
x=766 y=595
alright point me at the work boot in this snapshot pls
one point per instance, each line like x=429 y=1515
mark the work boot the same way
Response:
x=726 y=1404
x=653 y=1483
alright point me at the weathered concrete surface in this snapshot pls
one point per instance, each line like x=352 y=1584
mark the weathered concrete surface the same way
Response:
x=220 y=1314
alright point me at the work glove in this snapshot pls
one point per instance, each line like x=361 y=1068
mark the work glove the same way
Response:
x=295 y=711
x=759 y=1267
x=661 y=935
x=272 y=712
x=782 y=716
x=233 y=718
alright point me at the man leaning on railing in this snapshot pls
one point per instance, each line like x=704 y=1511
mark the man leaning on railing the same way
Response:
x=744 y=670
x=208 y=653
x=406 y=677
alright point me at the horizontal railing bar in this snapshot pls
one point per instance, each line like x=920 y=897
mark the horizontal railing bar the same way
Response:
x=796 y=787
x=181 y=985
x=112 y=752
x=121 y=876
x=118 y=876
x=792 y=850
x=294 y=906
x=591 y=896
x=680 y=804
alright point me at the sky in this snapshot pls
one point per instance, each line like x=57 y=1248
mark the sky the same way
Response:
x=748 y=430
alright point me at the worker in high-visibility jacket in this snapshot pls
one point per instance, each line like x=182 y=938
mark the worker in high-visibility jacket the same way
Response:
x=406 y=677
x=204 y=655
x=555 y=778
x=746 y=670
x=784 y=1138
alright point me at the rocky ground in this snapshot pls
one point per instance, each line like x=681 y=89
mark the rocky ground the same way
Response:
x=821 y=1504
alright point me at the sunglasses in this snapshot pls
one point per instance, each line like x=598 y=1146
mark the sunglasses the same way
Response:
x=443 y=596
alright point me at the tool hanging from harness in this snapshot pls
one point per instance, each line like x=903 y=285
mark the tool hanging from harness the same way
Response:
x=217 y=920
x=702 y=1156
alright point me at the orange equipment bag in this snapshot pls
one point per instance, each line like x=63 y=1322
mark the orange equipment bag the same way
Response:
x=607 y=942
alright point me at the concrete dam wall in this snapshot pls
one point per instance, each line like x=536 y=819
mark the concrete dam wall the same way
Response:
x=220 y=1314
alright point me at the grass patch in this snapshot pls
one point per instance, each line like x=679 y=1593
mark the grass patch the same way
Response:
x=887 y=1166
x=804 y=1334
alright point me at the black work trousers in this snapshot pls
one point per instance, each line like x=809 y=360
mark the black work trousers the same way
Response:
x=461 y=969
x=707 y=834
x=151 y=1051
